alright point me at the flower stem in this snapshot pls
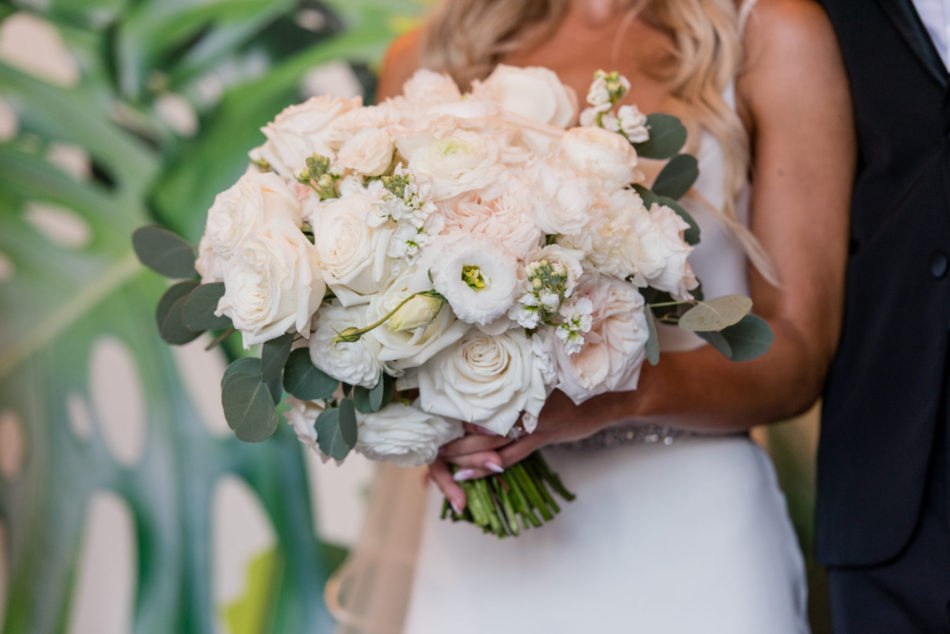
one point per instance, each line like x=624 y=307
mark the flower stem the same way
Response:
x=353 y=334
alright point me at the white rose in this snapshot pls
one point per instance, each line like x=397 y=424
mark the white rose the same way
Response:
x=427 y=88
x=484 y=379
x=402 y=349
x=210 y=265
x=560 y=201
x=615 y=346
x=302 y=415
x=300 y=131
x=272 y=283
x=404 y=435
x=368 y=152
x=595 y=152
x=456 y=162
x=356 y=362
x=664 y=253
x=352 y=253
x=478 y=278
x=242 y=209
x=612 y=238
x=534 y=93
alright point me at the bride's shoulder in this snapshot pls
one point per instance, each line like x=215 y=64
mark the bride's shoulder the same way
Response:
x=400 y=62
x=792 y=22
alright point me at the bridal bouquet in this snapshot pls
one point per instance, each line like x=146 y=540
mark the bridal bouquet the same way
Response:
x=445 y=258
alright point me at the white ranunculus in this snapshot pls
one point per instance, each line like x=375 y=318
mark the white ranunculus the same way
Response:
x=486 y=380
x=534 y=93
x=479 y=278
x=272 y=283
x=453 y=163
x=506 y=219
x=595 y=152
x=404 y=435
x=560 y=201
x=402 y=349
x=300 y=131
x=615 y=346
x=664 y=253
x=302 y=415
x=242 y=209
x=368 y=152
x=428 y=88
x=352 y=253
x=612 y=238
x=355 y=362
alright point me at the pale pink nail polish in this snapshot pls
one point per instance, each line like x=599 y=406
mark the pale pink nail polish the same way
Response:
x=455 y=507
x=491 y=466
x=463 y=474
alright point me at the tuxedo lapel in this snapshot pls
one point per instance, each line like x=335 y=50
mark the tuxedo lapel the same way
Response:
x=904 y=16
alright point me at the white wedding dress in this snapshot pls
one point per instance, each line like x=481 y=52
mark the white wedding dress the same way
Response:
x=668 y=534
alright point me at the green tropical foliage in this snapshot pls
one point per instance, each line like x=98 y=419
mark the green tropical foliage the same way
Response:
x=236 y=63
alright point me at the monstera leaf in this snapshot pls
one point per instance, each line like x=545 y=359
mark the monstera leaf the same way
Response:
x=76 y=302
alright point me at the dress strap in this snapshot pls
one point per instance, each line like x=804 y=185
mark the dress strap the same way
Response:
x=745 y=10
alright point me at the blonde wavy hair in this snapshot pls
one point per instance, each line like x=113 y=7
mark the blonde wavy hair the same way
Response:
x=467 y=39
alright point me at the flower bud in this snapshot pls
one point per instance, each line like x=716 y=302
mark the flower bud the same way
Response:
x=418 y=312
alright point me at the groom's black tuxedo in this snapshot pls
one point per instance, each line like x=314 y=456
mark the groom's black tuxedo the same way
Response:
x=883 y=406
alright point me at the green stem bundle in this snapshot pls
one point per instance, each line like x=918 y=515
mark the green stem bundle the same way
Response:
x=505 y=504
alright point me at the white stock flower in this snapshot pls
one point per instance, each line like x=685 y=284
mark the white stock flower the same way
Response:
x=242 y=209
x=272 y=283
x=488 y=380
x=633 y=124
x=300 y=131
x=476 y=276
x=664 y=252
x=598 y=96
x=404 y=435
x=356 y=362
x=560 y=200
x=595 y=152
x=454 y=163
x=352 y=252
x=534 y=92
x=368 y=152
x=402 y=349
x=615 y=346
x=577 y=321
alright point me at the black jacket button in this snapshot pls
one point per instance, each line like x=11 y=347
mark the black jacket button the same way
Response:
x=939 y=265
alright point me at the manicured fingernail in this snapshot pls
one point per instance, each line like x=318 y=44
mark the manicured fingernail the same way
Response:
x=497 y=468
x=455 y=507
x=463 y=474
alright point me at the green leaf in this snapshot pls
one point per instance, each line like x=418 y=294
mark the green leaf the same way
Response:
x=653 y=342
x=200 y=305
x=676 y=177
x=716 y=314
x=304 y=380
x=371 y=400
x=747 y=340
x=274 y=355
x=248 y=406
x=667 y=137
x=169 y=314
x=337 y=430
x=164 y=252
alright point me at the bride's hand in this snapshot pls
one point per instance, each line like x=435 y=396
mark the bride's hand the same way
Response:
x=478 y=454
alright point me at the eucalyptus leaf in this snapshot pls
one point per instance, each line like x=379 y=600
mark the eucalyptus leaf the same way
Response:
x=747 y=340
x=716 y=314
x=274 y=355
x=169 y=314
x=667 y=137
x=248 y=406
x=370 y=400
x=200 y=306
x=304 y=380
x=653 y=342
x=164 y=252
x=676 y=177
x=336 y=430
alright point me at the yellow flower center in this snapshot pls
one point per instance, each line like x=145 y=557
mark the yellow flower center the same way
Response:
x=472 y=275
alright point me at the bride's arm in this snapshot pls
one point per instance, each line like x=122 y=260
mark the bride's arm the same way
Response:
x=794 y=99
x=401 y=61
